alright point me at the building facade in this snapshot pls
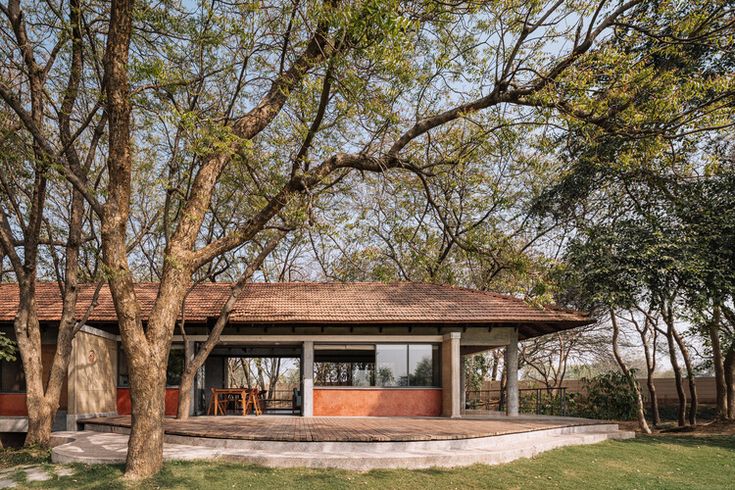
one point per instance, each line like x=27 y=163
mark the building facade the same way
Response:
x=354 y=349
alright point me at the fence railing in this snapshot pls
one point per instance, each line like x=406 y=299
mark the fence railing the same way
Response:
x=539 y=401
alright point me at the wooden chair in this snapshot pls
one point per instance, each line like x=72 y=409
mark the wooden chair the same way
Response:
x=213 y=406
x=253 y=402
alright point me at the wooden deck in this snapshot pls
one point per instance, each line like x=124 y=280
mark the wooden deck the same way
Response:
x=348 y=429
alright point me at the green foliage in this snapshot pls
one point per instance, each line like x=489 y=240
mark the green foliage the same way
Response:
x=7 y=348
x=607 y=396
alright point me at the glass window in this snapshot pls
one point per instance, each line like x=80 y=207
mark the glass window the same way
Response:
x=12 y=379
x=391 y=365
x=123 y=380
x=344 y=365
x=173 y=371
x=175 y=367
x=385 y=365
x=420 y=364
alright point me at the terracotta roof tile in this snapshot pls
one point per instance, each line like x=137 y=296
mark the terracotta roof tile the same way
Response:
x=322 y=303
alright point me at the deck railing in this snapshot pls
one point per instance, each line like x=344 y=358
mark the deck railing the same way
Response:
x=539 y=401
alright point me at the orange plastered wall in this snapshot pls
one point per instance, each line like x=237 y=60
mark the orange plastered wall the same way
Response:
x=378 y=402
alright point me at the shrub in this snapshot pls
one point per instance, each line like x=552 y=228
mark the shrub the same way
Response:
x=606 y=396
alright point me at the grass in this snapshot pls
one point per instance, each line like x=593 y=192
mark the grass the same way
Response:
x=648 y=462
x=32 y=455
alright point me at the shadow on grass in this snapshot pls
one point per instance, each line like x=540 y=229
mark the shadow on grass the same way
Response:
x=724 y=442
x=31 y=455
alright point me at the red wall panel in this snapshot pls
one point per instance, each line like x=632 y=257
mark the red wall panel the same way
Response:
x=13 y=404
x=123 y=401
x=378 y=402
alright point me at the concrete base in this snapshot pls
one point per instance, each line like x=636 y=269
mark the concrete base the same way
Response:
x=13 y=424
x=93 y=447
x=20 y=423
x=72 y=419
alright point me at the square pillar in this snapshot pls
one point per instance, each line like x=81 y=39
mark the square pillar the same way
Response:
x=511 y=374
x=451 y=375
x=462 y=382
x=307 y=368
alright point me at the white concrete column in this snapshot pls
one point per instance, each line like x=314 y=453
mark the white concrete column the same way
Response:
x=511 y=373
x=307 y=395
x=451 y=377
x=462 y=382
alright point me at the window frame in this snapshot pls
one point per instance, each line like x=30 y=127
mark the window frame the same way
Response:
x=121 y=356
x=436 y=365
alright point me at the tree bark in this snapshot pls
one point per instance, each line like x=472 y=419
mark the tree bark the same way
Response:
x=146 y=349
x=42 y=395
x=655 y=413
x=713 y=331
x=648 y=333
x=730 y=381
x=667 y=314
x=28 y=338
x=691 y=378
x=641 y=411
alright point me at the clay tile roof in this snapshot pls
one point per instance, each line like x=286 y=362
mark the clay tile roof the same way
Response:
x=319 y=303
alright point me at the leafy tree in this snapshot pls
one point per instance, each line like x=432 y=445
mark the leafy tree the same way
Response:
x=224 y=122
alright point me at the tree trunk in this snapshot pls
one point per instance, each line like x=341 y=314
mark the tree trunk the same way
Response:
x=185 y=387
x=693 y=398
x=649 y=333
x=655 y=414
x=147 y=392
x=28 y=338
x=730 y=381
x=713 y=331
x=641 y=411
x=681 y=413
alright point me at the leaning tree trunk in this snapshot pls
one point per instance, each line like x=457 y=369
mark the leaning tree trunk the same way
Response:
x=640 y=408
x=192 y=366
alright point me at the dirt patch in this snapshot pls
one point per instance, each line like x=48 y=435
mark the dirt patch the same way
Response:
x=705 y=428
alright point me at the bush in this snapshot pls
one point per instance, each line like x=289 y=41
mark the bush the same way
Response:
x=606 y=396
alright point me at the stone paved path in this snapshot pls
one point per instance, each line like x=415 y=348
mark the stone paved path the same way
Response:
x=32 y=473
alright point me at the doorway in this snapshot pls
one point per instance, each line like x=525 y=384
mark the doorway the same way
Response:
x=274 y=370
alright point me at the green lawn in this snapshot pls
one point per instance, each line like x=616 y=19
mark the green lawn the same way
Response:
x=646 y=462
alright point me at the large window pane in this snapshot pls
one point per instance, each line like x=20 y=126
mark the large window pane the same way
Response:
x=420 y=364
x=12 y=379
x=344 y=365
x=391 y=365
x=174 y=369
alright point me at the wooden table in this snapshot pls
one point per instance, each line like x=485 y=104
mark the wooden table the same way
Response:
x=217 y=392
x=248 y=399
